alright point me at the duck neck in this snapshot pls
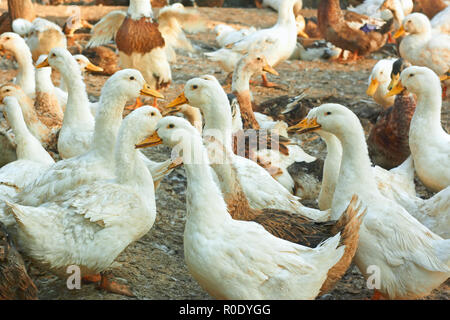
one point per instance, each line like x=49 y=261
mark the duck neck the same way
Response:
x=140 y=8
x=204 y=200
x=237 y=203
x=426 y=120
x=25 y=77
x=77 y=108
x=241 y=89
x=355 y=174
x=44 y=81
x=328 y=13
x=331 y=169
x=194 y=116
x=28 y=147
x=286 y=13
x=108 y=120
x=130 y=169
x=397 y=10
x=218 y=122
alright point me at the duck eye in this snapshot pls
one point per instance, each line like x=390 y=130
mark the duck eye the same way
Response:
x=152 y=114
x=258 y=58
x=132 y=78
x=194 y=86
x=53 y=55
x=7 y=38
x=171 y=126
x=328 y=113
x=7 y=90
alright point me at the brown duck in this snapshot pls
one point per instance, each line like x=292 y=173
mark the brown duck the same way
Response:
x=388 y=140
x=15 y=283
x=351 y=31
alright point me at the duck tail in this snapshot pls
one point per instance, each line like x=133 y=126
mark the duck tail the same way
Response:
x=348 y=225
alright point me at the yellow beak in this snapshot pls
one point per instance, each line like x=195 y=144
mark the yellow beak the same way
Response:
x=306 y=125
x=92 y=67
x=269 y=69
x=401 y=31
x=86 y=24
x=398 y=88
x=178 y=101
x=43 y=64
x=444 y=77
x=302 y=34
x=147 y=91
x=151 y=141
x=372 y=87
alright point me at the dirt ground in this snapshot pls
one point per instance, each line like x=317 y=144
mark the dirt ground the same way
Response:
x=154 y=266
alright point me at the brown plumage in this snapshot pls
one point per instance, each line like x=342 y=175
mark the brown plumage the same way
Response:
x=334 y=27
x=246 y=143
x=297 y=108
x=429 y=7
x=48 y=110
x=388 y=140
x=104 y=57
x=15 y=283
x=138 y=36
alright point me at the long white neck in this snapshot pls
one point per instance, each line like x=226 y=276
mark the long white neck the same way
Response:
x=331 y=169
x=218 y=121
x=139 y=9
x=108 y=120
x=241 y=79
x=286 y=13
x=355 y=174
x=44 y=81
x=77 y=108
x=399 y=15
x=25 y=77
x=28 y=147
x=205 y=204
x=426 y=121
x=130 y=169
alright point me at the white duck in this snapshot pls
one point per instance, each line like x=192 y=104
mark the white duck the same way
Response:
x=226 y=35
x=41 y=35
x=429 y=143
x=421 y=46
x=396 y=184
x=253 y=263
x=399 y=8
x=12 y=43
x=379 y=82
x=207 y=94
x=44 y=133
x=410 y=258
x=441 y=21
x=93 y=223
x=98 y=162
x=276 y=43
x=76 y=133
x=32 y=159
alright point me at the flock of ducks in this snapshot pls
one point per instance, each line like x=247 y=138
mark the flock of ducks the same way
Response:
x=75 y=188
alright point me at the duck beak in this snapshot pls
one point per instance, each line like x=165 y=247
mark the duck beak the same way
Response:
x=395 y=78
x=86 y=24
x=372 y=87
x=178 y=101
x=444 y=77
x=398 y=88
x=306 y=125
x=92 y=67
x=147 y=91
x=43 y=64
x=269 y=69
x=302 y=34
x=151 y=141
x=401 y=31
x=170 y=111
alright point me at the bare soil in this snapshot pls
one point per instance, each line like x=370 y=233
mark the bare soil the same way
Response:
x=154 y=266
